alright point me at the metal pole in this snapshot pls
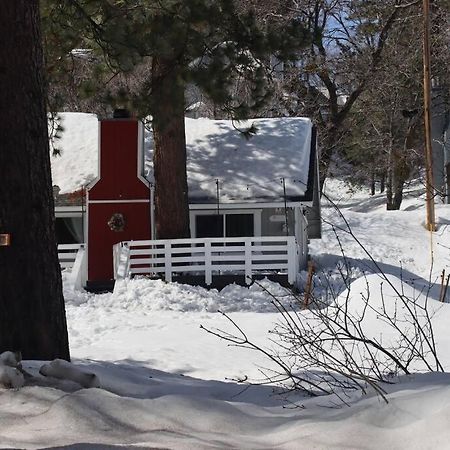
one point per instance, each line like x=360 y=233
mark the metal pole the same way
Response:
x=283 y=182
x=218 y=211
x=431 y=222
x=152 y=212
x=217 y=196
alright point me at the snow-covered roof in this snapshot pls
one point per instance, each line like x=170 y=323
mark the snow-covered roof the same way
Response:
x=77 y=164
x=247 y=169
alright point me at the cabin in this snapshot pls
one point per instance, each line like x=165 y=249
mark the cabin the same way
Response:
x=253 y=201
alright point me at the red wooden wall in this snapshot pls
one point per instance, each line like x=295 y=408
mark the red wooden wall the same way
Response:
x=118 y=190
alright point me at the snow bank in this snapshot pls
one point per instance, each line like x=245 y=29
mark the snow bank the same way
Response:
x=156 y=295
x=11 y=375
x=164 y=411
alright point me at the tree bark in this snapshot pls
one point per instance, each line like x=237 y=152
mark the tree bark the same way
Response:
x=32 y=315
x=372 y=182
x=329 y=142
x=169 y=160
x=394 y=201
x=382 y=182
x=399 y=173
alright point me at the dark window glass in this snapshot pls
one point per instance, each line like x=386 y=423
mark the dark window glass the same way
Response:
x=239 y=225
x=209 y=226
x=69 y=230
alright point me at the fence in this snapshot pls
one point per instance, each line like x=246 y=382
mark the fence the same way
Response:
x=73 y=257
x=208 y=256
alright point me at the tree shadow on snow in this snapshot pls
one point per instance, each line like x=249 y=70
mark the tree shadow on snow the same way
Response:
x=135 y=379
x=430 y=288
x=91 y=446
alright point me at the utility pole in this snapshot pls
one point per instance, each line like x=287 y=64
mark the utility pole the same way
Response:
x=431 y=222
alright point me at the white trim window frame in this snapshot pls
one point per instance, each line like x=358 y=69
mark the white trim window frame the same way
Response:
x=224 y=212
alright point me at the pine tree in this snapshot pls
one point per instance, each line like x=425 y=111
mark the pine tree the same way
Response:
x=173 y=44
x=32 y=316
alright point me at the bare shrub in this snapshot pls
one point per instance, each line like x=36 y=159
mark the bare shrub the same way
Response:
x=333 y=347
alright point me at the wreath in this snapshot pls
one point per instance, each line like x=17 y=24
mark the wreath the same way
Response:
x=117 y=222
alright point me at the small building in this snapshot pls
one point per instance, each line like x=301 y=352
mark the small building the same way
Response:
x=261 y=189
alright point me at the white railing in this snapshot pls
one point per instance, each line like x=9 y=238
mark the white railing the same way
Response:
x=73 y=257
x=208 y=256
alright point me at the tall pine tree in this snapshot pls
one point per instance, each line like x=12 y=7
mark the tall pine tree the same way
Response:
x=32 y=316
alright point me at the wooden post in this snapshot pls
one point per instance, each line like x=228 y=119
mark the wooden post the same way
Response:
x=308 y=287
x=430 y=222
x=248 y=261
x=127 y=251
x=444 y=286
x=291 y=256
x=167 y=262
x=208 y=263
x=78 y=277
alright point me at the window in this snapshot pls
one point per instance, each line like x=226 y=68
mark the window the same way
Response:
x=209 y=226
x=69 y=224
x=206 y=224
x=69 y=230
x=239 y=225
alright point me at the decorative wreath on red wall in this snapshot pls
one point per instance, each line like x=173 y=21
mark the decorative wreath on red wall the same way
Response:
x=117 y=222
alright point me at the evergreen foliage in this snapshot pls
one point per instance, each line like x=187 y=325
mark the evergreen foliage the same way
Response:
x=209 y=43
x=146 y=53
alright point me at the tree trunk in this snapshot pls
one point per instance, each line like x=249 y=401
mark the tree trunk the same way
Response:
x=390 y=177
x=372 y=182
x=396 y=196
x=398 y=174
x=382 y=182
x=169 y=161
x=32 y=316
x=328 y=146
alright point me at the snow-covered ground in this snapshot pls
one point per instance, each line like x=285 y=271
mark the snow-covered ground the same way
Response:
x=166 y=383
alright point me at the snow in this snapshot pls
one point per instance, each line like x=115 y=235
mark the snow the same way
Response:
x=166 y=383
x=247 y=169
x=77 y=164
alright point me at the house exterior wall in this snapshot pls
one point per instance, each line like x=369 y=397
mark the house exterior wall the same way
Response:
x=313 y=212
x=273 y=222
x=120 y=162
x=268 y=221
x=118 y=202
x=101 y=237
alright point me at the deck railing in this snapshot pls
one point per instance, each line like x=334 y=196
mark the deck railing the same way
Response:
x=209 y=256
x=73 y=257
